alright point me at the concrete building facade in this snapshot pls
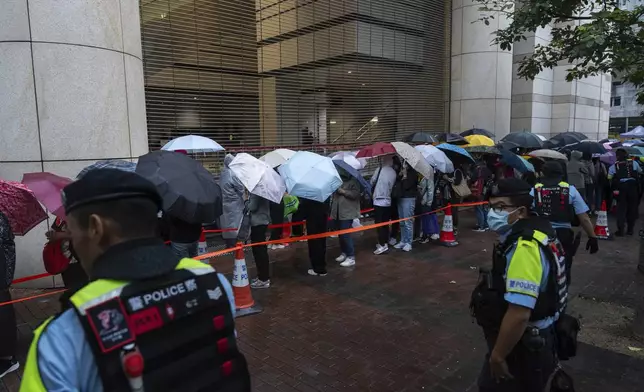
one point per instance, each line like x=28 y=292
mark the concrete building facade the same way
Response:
x=85 y=80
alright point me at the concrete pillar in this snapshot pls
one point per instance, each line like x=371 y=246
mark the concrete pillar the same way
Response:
x=481 y=73
x=71 y=93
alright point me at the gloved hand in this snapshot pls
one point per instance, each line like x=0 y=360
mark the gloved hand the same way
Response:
x=592 y=245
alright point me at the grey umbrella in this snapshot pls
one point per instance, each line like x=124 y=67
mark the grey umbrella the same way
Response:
x=524 y=139
x=188 y=190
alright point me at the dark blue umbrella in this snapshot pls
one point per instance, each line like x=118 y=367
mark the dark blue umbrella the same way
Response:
x=514 y=161
x=353 y=173
x=452 y=138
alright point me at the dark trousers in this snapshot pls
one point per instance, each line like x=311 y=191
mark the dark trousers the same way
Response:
x=567 y=239
x=453 y=201
x=74 y=276
x=316 y=223
x=627 y=204
x=297 y=230
x=230 y=242
x=418 y=209
x=395 y=227
x=531 y=369
x=382 y=214
x=260 y=252
x=8 y=331
x=277 y=218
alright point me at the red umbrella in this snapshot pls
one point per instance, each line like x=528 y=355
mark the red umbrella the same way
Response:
x=47 y=188
x=376 y=150
x=20 y=205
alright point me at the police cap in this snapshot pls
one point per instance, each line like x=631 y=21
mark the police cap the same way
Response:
x=552 y=169
x=511 y=187
x=100 y=185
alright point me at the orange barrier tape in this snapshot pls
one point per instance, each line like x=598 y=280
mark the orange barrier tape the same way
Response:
x=280 y=241
x=33 y=277
x=276 y=226
x=47 y=294
x=333 y=233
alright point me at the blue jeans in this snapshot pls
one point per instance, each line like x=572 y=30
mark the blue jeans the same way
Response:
x=406 y=207
x=429 y=224
x=481 y=216
x=346 y=242
x=184 y=250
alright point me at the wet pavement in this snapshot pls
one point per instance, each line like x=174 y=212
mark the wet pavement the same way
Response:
x=398 y=321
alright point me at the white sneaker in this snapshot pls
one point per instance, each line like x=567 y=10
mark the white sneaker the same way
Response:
x=279 y=246
x=271 y=247
x=341 y=258
x=392 y=241
x=349 y=262
x=380 y=249
x=399 y=245
x=313 y=273
x=260 y=284
x=435 y=237
x=407 y=247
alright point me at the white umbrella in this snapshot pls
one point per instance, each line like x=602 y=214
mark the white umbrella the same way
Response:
x=414 y=158
x=545 y=153
x=258 y=177
x=193 y=143
x=277 y=157
x=543 y=138
x=342 y=154
x=437 y=158
x=349 y=160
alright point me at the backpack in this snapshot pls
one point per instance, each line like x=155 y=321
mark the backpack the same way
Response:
x=54 y=258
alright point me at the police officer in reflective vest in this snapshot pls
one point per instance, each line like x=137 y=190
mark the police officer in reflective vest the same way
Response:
x=518 y=301
x=561 y=203
x=147 y=320
x=624 y=174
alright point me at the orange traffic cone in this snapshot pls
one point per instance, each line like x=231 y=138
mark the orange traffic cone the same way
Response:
x=244 y=301
x=601 y=226
x=447 y=231
x=202 y=247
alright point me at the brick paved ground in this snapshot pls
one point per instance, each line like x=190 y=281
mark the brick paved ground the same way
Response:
x=396 y=322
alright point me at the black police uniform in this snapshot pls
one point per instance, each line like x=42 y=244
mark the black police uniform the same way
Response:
x=534 y=358
x=175 y=314
x=552 y=201
x=628 y=199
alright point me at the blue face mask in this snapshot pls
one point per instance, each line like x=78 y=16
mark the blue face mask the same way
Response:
x=498 y=221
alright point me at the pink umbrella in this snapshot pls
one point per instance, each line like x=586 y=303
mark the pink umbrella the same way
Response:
x=20 y=205
x=47 y=188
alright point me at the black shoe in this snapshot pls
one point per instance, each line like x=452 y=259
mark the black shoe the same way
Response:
x=7 y=366
x=619 y=233
x=629 y=231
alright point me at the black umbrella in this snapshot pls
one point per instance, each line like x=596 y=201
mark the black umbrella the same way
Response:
x=420 y=138
x=566 y=138
x=507 y=145
x=452 y=138
x=477 y=131
x=586 y=147
x=188 y=190
x=523 y=139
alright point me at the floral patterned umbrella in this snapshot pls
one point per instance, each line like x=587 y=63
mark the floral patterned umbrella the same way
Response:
x=20 y=205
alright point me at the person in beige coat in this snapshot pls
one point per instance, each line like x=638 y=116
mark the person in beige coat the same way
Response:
x=345 y=207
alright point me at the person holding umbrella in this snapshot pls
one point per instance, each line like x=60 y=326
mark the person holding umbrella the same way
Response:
x=232 y=190
x=8 y=332
x=383 y=181
x=345 y=207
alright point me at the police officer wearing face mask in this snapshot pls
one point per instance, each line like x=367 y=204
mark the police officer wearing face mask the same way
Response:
x=147 y=320
x=624 y=176
x=562 y=204
x=518 y=301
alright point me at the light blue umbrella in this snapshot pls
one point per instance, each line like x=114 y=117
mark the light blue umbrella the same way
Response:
x=527 y=164
x=455 y=153
x=310 y=176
